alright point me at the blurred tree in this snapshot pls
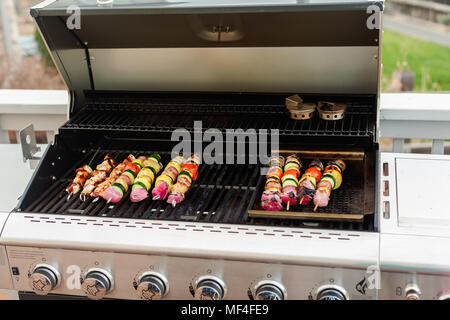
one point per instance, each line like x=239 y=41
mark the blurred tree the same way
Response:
x=444 y=19
x=45 y=55
x=10 y=38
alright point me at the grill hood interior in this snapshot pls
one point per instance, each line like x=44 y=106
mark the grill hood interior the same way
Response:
x=312 y=47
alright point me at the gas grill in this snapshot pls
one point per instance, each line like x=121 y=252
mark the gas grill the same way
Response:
x=223 y=193
x=136 y=72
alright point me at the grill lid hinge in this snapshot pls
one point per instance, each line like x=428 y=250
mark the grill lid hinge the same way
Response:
x=29 y=146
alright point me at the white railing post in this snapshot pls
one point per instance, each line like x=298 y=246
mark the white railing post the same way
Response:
x=415 y=116
x=46 y=109
x=398 y=145
x=50 y=135
x=4 y=137
x=438 y=146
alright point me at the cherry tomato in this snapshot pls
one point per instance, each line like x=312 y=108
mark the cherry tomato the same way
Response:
x=192 y=168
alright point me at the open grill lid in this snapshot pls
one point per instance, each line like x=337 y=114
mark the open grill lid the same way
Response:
x=316 y=46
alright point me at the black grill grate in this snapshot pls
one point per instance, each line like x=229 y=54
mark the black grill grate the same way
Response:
x=222 y=112
x=221 y=194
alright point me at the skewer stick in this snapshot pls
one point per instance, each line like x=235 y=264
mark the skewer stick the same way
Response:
x=174 y=203
x=156 y=197
x=69 y=196
x=109 y=200
x=315 y=208
x=301 y=200
x=96 y=199
x=288 y=205
x=81 y=197
x=93 y=157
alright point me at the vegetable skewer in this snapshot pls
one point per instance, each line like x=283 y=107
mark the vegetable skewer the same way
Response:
x=331 y=180
x=145 y=178
x=309 y=180
x=164 y=183
x=289 y=180
x=271 y=197
x=118 y=189
x=113 y=176
x=187 y=176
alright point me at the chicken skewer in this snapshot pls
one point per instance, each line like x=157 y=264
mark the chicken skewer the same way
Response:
x=164 y=183
x=144 y=180
x=97 y=176
x=187 y=176
x=331 y=180
x=82 y=174
x=309 y=180
x=271 y=197
x=113 y=176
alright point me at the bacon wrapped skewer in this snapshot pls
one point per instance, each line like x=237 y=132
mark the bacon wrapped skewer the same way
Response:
x=98 y=176
x=82 y=174
x=145 y=178
x=187 y=176
x=331 y=180
x=164 y=183
x=309 y=180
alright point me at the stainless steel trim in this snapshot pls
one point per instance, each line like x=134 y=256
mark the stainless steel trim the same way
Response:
x=43 y=4
x=356 y=250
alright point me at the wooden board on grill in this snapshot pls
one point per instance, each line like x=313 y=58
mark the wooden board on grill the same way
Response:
x=254 y=213
x=346 y=203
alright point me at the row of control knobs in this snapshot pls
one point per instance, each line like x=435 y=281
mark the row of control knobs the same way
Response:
x=98 y=283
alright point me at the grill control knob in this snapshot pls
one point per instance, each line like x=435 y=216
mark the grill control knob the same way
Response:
x=44 y=279
x=331 y=294
x=152 y=287
x=97 y=284
x=444 y=295
x=412 y=292
x=209 y=289
x=269 y=292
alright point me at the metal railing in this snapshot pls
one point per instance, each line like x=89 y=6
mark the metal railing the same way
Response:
x=402 y=115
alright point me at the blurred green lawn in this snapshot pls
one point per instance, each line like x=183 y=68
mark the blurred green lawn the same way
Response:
x=430 y=62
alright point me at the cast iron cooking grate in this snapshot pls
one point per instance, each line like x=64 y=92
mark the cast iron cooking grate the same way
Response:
x=221 y=194
x=163 y=115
